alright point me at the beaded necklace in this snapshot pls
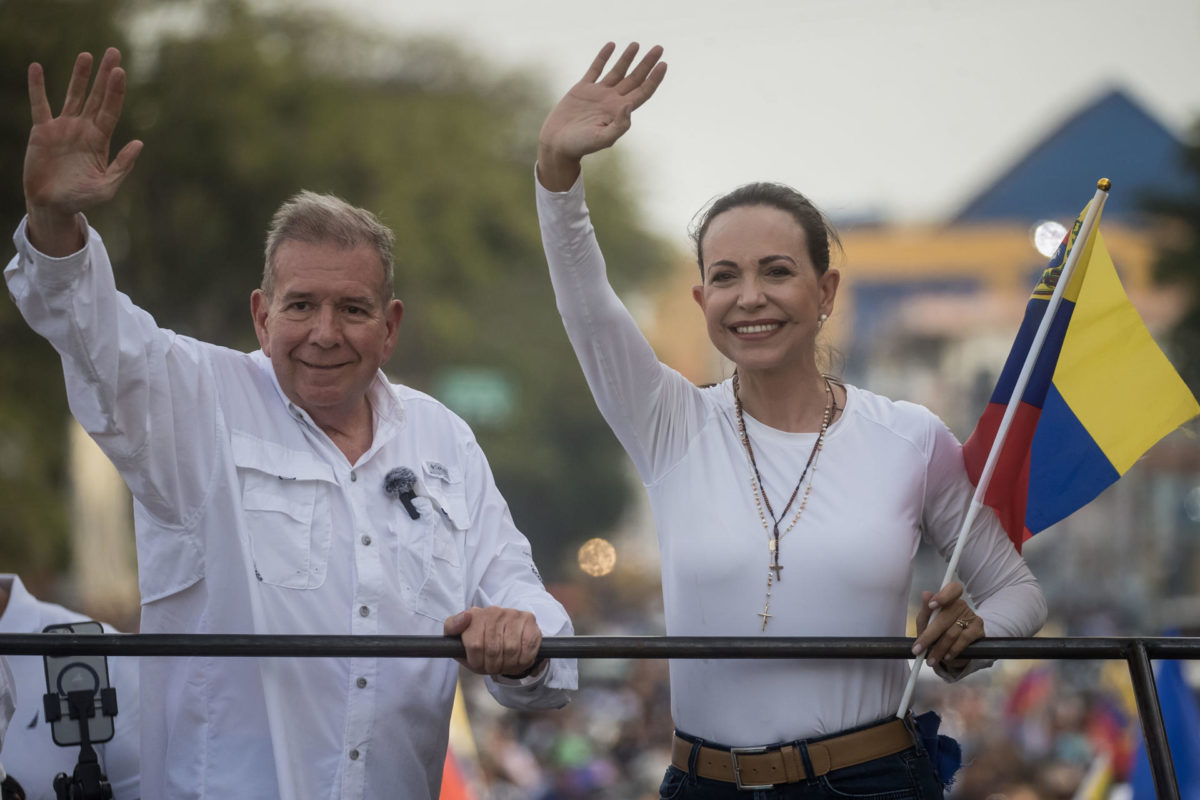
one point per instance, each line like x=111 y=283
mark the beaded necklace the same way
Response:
x=775 y=569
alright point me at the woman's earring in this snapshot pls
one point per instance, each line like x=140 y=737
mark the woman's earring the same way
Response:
x=821 y=321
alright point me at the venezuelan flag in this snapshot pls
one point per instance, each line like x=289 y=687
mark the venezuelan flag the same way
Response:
x=1100 y=394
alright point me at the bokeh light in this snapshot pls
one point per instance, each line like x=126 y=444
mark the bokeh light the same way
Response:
x=1047 y=236
x=597 y=557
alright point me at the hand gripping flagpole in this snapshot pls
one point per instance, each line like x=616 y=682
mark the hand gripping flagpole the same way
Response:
x=1014 y=400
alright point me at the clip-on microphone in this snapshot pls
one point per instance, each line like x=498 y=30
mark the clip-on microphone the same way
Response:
x=400 y=483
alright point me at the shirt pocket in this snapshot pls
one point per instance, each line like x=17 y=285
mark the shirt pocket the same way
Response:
x=442 y=531
x=285 y=512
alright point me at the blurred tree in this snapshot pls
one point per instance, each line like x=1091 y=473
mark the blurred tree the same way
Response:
x=241 y=107
x=1178 y=262
x=33 y=407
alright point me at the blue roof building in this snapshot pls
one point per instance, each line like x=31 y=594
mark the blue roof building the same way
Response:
x=1111 y=137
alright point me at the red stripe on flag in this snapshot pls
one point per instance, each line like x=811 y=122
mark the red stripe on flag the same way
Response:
x=1008 y=492
x=454 y=783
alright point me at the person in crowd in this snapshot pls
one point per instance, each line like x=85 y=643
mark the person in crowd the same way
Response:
x=787 y=502
x=29 y=748
x=292 y=490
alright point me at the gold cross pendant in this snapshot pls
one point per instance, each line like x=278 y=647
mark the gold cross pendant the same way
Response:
x=765 y=614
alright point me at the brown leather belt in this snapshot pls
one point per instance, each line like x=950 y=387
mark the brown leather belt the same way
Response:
x=763 y=767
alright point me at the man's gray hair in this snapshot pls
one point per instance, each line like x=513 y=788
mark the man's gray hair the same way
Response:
x=325 y=219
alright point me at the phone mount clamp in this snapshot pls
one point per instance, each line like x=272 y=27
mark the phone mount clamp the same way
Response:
x=88 y=781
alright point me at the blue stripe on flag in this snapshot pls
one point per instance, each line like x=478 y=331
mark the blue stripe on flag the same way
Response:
x=1037 y=389
x=1067 y=468
x=1043 y=369
x=1020 y=349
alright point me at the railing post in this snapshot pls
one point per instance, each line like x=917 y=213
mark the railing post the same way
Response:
x=1158 y=751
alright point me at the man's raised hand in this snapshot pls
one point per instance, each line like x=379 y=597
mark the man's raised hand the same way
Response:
x=67 y=165
x=595 y=112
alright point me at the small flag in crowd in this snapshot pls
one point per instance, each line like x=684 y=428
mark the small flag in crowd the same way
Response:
x=462 y=759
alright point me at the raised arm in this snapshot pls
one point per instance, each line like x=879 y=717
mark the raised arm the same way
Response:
x=143 y=393
x=595 y=112
x=67 y=165
x=653 y=410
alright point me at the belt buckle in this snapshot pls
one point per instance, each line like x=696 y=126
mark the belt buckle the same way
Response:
x=734 y=752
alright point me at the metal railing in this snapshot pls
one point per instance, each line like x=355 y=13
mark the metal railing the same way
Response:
x=1136 y=651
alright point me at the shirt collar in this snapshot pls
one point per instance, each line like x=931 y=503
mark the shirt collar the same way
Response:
x=386 y=405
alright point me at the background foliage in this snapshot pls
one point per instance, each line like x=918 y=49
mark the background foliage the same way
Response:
x=241 y=107
x=1178 y=262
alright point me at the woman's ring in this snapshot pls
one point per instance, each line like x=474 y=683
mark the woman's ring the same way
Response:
x=962 y=623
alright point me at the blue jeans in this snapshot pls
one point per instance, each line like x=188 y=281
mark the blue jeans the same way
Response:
x=907 y=775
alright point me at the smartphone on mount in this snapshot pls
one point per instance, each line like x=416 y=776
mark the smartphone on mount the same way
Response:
x=74 y=673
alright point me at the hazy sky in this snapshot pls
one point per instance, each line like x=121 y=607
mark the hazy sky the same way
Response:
x=905 y=108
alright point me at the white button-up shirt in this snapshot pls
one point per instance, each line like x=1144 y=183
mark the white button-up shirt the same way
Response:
x=250 y=520
x=29 y=751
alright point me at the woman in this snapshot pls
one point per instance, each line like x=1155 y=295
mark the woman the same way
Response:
x=786 y=502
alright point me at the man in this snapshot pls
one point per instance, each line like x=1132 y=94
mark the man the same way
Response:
x=28 y=749
x=290 y=490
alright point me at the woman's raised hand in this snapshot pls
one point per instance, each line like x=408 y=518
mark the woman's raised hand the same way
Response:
x=595 y=112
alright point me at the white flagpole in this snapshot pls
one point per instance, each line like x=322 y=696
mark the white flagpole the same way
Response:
x=1035 y=349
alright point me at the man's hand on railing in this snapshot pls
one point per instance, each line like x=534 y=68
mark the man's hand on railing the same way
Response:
x=499 y=641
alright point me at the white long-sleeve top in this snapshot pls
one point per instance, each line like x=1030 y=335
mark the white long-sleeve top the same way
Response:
x=29 y=749
x=889 y=474
x=250 y=520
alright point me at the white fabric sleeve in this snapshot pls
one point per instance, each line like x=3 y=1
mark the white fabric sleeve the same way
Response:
x=652 y=409
x=140 y=391
x=501 y=570
x=1002 y=590
x=8 y=697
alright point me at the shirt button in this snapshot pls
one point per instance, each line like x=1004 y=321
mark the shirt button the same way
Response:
x=354 y=755
x=362 y=683
x=366 y=539
x=353 y=477
x=363 y=611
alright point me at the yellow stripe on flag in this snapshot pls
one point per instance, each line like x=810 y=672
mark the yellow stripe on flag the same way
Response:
x=1111 y=373
x=462 y=758
x=1071 y=292
x=462 y=738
